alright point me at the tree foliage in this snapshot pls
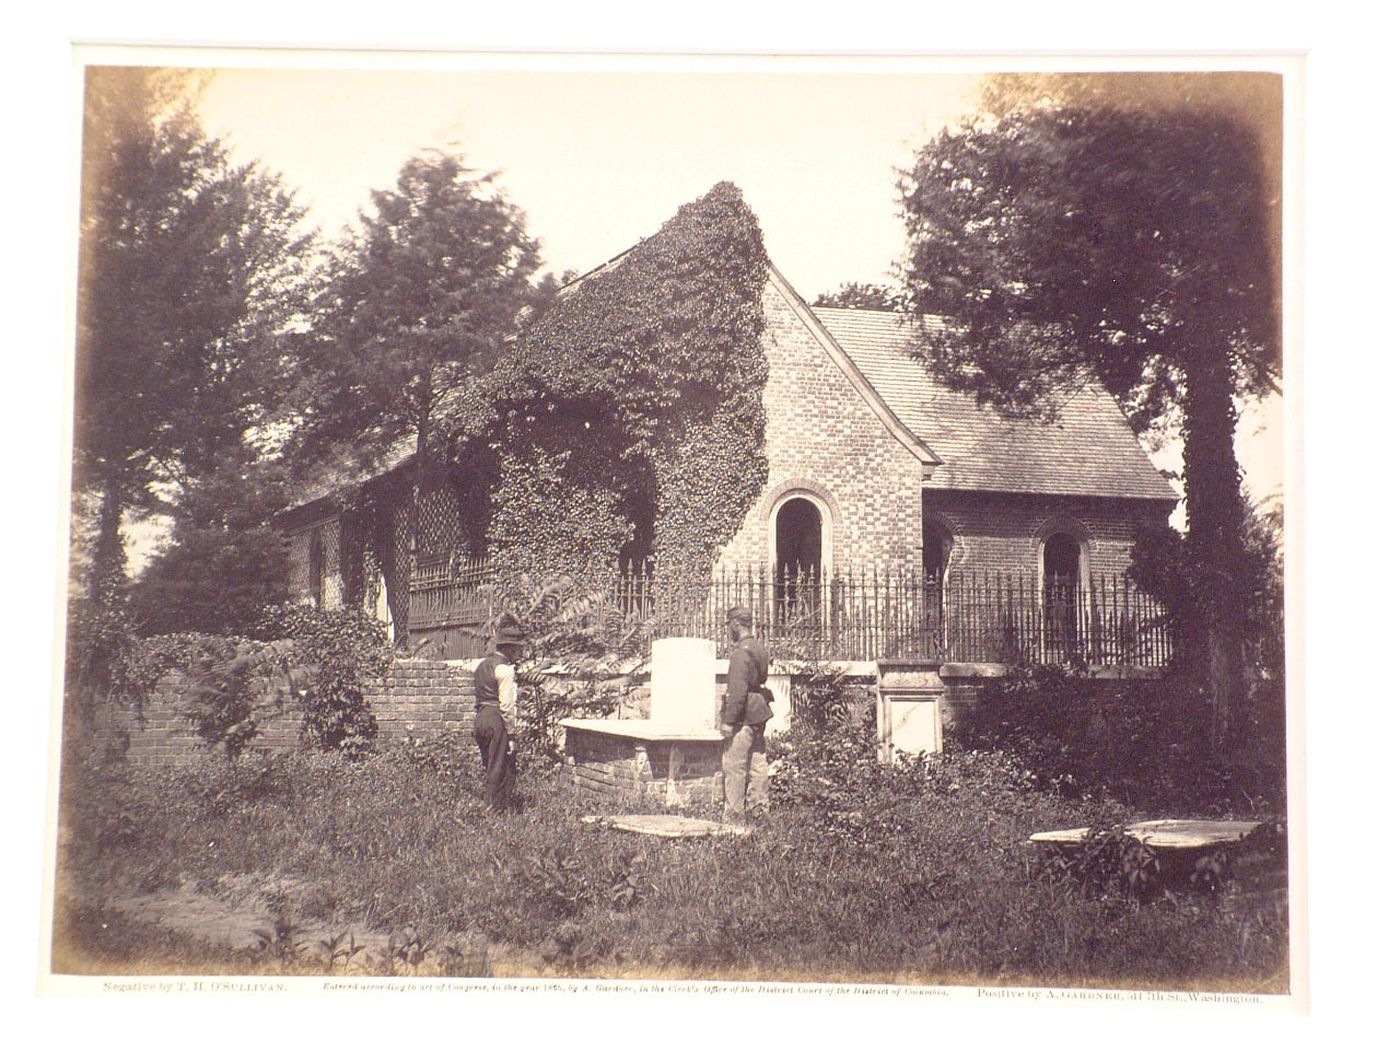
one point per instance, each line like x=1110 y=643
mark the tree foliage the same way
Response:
x=631 y=413
x=861 y=296
x=223 y=561
x=420 y=298
x=1134 y=243
x=192 y=273
x=419 y=302
x=1130 y=246
x=216 y=581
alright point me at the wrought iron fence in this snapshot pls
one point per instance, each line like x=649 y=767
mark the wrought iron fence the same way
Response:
x=852 y=614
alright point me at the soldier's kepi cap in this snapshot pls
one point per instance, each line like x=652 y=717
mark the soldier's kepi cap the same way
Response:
x=740 y=614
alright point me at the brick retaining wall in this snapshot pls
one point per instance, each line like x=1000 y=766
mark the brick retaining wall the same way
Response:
x=417 y=697
x=422 y=698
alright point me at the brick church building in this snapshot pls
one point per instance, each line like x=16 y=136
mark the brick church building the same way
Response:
x=872 y=464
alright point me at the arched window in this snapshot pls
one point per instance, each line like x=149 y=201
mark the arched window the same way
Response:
x=798 y=543
x=938 y=551
x=1060 y=576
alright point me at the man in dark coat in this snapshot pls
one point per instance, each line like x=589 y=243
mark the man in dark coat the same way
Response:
x=494 y=729
x=746 y=711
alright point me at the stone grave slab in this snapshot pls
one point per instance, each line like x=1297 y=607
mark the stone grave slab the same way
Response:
x=666 y=825
x=1165 y=834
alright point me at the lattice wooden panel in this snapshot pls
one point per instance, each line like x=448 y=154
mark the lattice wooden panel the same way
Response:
x=331 y=593
x=439 y=525
x=354 y=540
x=299 y=552
x=402 y=559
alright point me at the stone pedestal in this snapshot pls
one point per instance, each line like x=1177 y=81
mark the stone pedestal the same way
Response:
x=909 y=715
x=675 y=754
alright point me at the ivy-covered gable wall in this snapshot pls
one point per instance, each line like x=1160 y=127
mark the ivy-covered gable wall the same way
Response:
x=630 y=416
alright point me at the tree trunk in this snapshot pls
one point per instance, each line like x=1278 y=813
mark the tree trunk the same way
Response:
x=108 y=570
x=1216 y=631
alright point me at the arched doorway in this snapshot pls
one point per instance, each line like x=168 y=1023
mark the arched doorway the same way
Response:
x=797 y=548
x=1060 y=559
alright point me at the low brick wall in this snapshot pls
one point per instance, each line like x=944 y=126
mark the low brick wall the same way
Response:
x=422 y=698
x=156 y=732
x=416 y=698
x=965 y=683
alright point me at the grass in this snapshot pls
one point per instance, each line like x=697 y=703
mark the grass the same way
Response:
x=925 y=880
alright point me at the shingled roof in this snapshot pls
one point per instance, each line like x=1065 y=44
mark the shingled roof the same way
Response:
x=343 y=477
x=1087 y=450
x=465 y=406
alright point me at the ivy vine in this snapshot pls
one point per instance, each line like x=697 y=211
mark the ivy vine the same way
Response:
x=632 y=410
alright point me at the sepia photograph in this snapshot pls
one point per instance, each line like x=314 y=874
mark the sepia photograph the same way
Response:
x=805 y=521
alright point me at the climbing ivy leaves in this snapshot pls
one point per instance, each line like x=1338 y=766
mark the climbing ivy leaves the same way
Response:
x=630 y=415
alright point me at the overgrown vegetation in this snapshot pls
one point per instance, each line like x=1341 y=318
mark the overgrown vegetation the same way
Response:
x=630 y=416
x=1134 y=739
x=319 y=660
x=402 y=839
x=914 y=872
x=341 y=651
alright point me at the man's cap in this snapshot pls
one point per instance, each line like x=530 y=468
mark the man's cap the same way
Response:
x=509 y=634
x=740 y=614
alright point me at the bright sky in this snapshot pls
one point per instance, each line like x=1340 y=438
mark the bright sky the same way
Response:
x=600 y=158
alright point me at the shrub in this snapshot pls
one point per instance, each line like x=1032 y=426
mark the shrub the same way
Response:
x=573 y=667
x=100 y=651
x=334 y=652
x=827 y=763
x=232 y=683
x=1109 y=864
x=1136 y=739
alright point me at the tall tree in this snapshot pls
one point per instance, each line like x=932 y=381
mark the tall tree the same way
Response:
x=223 y=561
x=420 y=301
x=1132 y=244
x=190 y=277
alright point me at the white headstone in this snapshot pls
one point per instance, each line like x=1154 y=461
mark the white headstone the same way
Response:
x=683 y=682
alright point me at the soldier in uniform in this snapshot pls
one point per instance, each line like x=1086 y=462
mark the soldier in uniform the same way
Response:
x=746 y=711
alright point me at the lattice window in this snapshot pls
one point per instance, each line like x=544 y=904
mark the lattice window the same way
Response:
x=402 y=540
x=354 y=542
x=439 y=526
x=316 y=566
x=332 y=594
x=299 y=552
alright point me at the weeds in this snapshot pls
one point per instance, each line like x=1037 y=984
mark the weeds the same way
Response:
x=931 y=887
x=281 y=942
